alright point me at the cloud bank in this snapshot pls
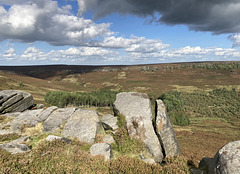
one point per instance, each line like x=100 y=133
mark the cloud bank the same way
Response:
x=216 y=16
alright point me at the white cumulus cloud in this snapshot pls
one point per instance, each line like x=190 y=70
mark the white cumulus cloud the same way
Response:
x=33 y=20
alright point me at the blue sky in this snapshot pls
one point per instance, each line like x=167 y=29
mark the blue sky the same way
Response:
x=94 y=32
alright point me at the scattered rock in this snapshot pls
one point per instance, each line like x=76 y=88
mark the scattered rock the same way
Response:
x=53 y=137
x=136 y=107
x=57 y=118
x=109 y=122
x=15 y=101
x=165 y=130
x=83 y=124
x=149 y=161
x=108 y=139
x=16 y=146
x=103 y=149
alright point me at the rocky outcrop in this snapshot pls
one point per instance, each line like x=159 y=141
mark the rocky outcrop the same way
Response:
x=15 y=101
x=83 y=124
x=226 y=160
x=57 y=118
x=165 y=131
x=103 y=149
x=136 y=108
x=16 y=146
x=109 y=122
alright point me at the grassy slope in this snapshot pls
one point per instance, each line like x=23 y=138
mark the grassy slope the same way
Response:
x=202 y=138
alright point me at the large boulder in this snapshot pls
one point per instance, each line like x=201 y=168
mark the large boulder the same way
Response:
x=83 y=124
x=136 y=107
x=15 y=101
x=165 y=130
x=103 y=149
x=226 y=160
x=57 y=118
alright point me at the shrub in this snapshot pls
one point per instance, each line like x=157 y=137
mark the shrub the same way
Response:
x=179 y=118
x=95 y=98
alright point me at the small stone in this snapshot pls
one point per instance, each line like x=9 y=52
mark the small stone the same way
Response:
x=103 y=149
x=109 y=122
x=53 y=137
x=108 y=139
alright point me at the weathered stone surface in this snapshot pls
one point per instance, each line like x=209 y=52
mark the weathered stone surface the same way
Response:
x=11 y=101
x=226 y=160
x=46 y=113
x=108 y=139
x=16 y=146
x=57 y=118
x=109 y=122
x=53 y=137
x=29 y=117
x=103 y=149
x=15 y=101
x=136 y=108
x=165 y=130
x=83 y=124
x=6 y=94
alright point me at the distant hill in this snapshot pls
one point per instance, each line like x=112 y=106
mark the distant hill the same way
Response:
x=153 y=79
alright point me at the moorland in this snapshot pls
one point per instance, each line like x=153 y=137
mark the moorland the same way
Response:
x=202 y=98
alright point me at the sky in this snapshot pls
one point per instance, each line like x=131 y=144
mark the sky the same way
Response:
x=118 y=32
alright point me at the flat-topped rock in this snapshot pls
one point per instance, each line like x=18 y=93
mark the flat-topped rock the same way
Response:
x=83 y=124
x=57 y=118
x=136 y=107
